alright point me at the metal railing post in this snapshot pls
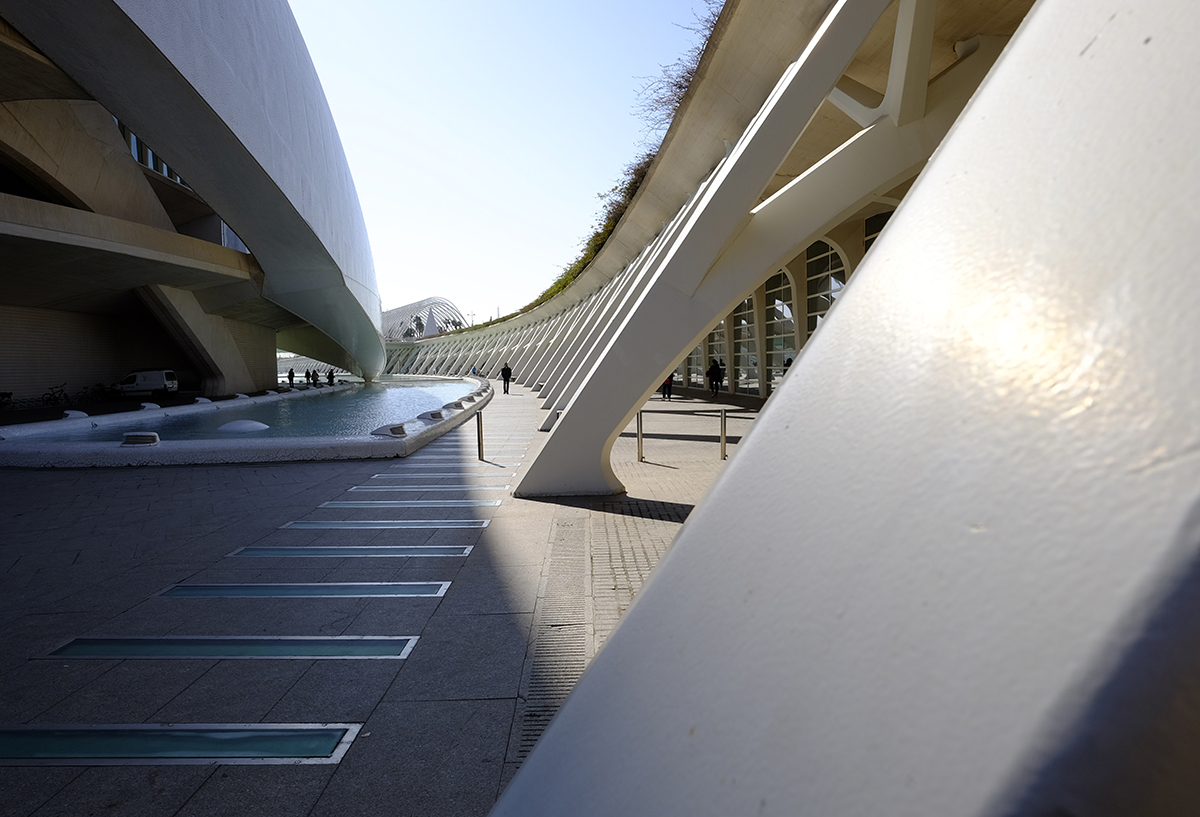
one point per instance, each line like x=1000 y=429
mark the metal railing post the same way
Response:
x=723 y=455
x=639 y=435
x=479 y=429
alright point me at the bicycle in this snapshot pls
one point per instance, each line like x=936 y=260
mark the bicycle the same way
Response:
x=98 y=393
x=56 y=396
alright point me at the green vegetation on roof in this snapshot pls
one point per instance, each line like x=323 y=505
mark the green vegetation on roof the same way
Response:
x=659 y=99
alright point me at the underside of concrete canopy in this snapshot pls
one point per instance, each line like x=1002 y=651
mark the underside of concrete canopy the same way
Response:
x=239 y=222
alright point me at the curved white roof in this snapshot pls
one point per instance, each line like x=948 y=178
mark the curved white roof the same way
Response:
x=404 y=319
x=227 y=91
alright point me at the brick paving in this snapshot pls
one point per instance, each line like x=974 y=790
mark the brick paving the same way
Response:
x=84 y=552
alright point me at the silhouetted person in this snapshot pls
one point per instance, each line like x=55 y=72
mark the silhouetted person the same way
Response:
x=506 y=373
x=714 y=377
x=291 y=377
x=329 y=377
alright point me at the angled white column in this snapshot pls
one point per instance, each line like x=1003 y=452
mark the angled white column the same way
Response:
x=541 y=369
x=609 y=295
x=953 y=569
x=544 y=346
x=640 y=276
x=524 y=341
x=620 y=288
x=586 y=310
x=672 y=314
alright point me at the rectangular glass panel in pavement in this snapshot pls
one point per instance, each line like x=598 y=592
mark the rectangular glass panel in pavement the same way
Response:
x=386 y=524
x=430 y=487
x=358 y=550
x=313 y=590
x=415 y=503
x=239 y=647
x=160 y=744
x=456 y=475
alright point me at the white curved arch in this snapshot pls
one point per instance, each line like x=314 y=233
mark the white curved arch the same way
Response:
x=227 y=92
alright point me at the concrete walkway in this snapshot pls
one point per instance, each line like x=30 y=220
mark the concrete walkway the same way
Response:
x=86 y=553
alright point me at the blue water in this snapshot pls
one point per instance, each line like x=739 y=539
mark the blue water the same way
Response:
x=352 y=412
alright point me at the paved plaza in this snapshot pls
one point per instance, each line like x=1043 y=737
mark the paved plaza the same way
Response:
x=87 y=553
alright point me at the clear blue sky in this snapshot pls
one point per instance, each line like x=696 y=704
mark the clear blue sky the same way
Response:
x=480 y=133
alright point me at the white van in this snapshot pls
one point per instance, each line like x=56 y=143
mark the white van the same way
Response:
x=148 y=381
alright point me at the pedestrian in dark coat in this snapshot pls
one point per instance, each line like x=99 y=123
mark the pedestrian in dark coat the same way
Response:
x=714 y=377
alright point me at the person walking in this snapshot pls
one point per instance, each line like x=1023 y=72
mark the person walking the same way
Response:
x=714 y=377
x=330 y=377
x=667 y=384
x=506 y=373
x=291 y=377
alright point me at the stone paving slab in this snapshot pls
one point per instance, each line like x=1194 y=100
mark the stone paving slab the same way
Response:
x=86 y=551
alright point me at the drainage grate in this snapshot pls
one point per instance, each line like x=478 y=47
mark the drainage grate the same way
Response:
x=560 y=650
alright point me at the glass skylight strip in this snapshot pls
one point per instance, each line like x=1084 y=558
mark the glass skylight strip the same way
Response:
x=175 y=744
x=236 y=646
x=430 y=488
x=319 y=590
x=415 y=503
x=385 y=524
x=455 y=475
x=352 y=551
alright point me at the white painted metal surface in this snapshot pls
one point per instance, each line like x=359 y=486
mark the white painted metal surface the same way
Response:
x=952 y=571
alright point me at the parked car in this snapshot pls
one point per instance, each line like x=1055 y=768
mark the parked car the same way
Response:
x=148 y=382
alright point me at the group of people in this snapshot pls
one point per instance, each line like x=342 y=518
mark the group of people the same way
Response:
x=715 y=375
x=311 y=376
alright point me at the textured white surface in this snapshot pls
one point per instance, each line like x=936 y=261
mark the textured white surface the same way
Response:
x=952 y=570
x=227 y=92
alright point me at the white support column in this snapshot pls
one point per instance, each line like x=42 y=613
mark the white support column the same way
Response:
x=498 y=348
x=525 y=343
x=640 y=276
x=759 y=324
x=554 y=345
x=579 y=315
x=611 y=295
x=690 y=289
x=545 y=347
x=978 y=595
x=908 y=77
x=607 y=319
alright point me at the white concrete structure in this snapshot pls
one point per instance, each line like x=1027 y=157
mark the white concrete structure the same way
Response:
x=952 y=569
x=264 y=245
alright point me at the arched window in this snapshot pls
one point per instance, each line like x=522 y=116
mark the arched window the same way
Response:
x=779 y=335
x=826 y=274
x=716 y=346
x=744 y=374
